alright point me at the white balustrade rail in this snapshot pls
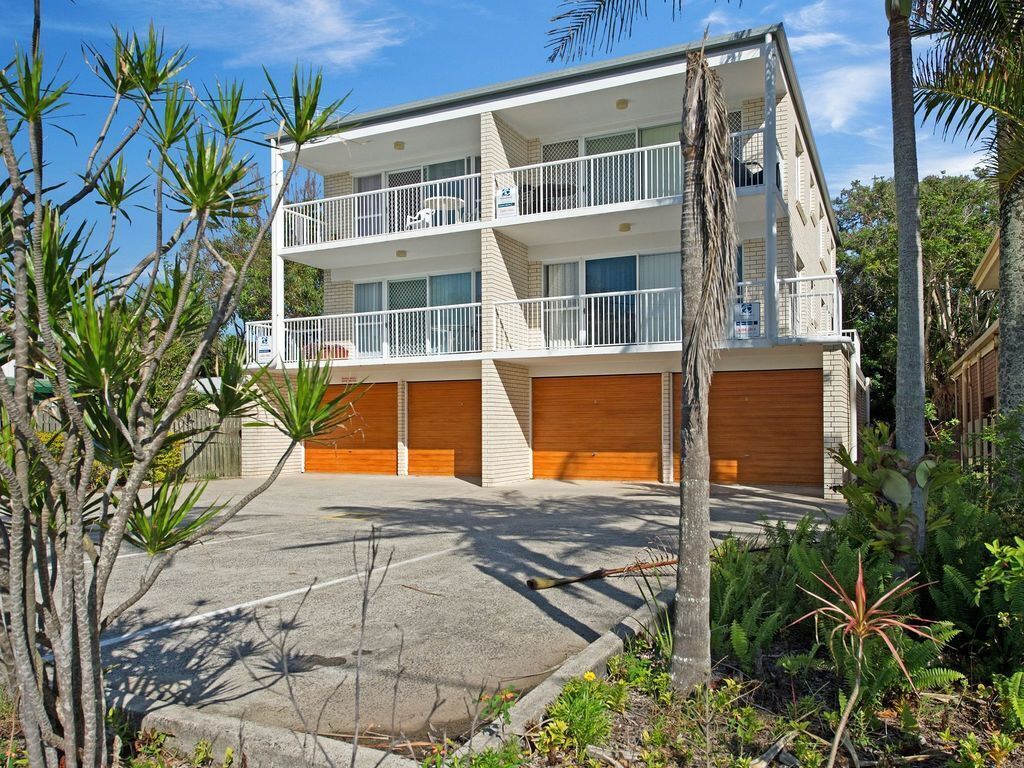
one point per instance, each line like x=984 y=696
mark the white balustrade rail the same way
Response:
x=427 y=331
x=646 y=173
x=383 y=212
x=810 y=307
x=748 y=159
x=594 y=320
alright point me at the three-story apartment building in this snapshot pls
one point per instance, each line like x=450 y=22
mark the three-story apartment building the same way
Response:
x=502 y=271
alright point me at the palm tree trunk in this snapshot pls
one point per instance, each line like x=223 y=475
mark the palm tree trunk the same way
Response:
x=1011 y=298
x=910 y=429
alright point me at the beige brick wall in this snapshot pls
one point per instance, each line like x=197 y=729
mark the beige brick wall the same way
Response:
x=337 y=184
x=262 y=447
x=501 y=147
x=505 y=276
x=403 y=428
x=666 y=427
x=836 y=411
x=339 y=296
x=506 y=422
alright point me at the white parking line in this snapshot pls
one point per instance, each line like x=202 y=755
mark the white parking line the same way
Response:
x=201 y=617
x=225 y=539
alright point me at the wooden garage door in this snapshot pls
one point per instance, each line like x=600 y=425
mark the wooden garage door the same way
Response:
x=597 y=427
x=444 y=428
x=765 y=427
x=368 y=442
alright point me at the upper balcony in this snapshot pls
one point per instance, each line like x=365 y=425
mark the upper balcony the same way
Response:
x=612 y=181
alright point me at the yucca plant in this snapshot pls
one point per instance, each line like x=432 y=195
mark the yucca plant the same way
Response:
x=103 y=346
x=856 y=620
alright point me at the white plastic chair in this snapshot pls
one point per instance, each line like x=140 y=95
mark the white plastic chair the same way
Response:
x=423 y=218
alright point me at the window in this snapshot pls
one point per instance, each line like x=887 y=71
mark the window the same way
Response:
x=798 y=177
x=735 y=120
x=739 y=263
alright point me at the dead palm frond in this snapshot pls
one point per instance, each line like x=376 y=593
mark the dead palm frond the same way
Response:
x=709 y=235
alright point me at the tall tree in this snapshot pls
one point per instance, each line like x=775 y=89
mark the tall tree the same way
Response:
x=910 y=388
x=958 y=219
x=971 y=84
x=708 y=252
x=102 y=343
x=708 y=244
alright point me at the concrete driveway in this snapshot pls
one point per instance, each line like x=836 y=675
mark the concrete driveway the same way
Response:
x=262 y=622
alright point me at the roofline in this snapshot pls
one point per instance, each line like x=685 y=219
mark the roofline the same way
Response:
x=786 y=59
x=988 y=262
x=716 y=44
x=990 y=333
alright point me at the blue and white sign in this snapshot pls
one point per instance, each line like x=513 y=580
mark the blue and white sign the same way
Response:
x=264 y=350
x=746 y=318
x=506 y=202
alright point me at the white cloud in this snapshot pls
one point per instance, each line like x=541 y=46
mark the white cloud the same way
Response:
x=810 y=17
x=934 y=157
x=334 y=34
x=718 y=18
x=838 y=96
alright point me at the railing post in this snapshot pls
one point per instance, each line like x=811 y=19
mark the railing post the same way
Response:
x=771 y=310
x=276 y=260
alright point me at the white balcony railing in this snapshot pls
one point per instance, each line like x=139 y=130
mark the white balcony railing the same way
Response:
x=407 y=208
x=808 y=309
x=421 y=332
x=748 y=159
x=626 y=176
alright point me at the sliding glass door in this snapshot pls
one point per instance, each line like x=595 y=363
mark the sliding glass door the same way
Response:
x=611 y=319
x=612 y=178
x=407 y=331
x=562 y=316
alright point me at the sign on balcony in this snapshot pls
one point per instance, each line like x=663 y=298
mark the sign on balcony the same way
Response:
x=264 y=350
x=506 y=202
x=746 y=318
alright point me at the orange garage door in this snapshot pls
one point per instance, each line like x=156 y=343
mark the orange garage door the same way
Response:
x=368 y=442
x=765 y=427
x=444 y=428
x=597 y=427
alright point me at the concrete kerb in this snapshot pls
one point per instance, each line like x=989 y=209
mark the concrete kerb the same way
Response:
x=263 y=746
x=531 y=708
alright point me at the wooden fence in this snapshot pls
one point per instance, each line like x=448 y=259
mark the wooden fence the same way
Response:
x=220 y=457
x=974 y=448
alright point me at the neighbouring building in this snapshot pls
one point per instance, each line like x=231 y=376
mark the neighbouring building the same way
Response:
x=502 y=269
x=976 y=373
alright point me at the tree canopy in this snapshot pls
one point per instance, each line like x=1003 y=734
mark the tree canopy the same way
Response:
x=958 y=220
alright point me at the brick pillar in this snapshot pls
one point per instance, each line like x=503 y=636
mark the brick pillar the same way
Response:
x=667 y=407
x=507 y=457
x=836 y=412
x=403 y=428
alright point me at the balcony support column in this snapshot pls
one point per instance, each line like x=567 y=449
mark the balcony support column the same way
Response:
x=771 y=309
x=276 y=260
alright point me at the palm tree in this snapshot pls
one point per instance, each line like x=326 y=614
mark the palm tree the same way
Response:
x=971 y=84
x=708 y=248
x=910 y=404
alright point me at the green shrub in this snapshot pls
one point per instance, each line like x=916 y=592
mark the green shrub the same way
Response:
x=585 y=705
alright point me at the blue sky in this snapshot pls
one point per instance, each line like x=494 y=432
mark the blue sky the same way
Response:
x=390 y=51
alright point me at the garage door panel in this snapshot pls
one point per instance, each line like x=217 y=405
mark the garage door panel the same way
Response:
x=445 y=428
x=764 y=427
x=597 y=427
x=366 y=443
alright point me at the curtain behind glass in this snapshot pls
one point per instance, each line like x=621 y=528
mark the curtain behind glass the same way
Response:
x=660 y=313
x=661 y=171
x=451 y=327
x=369 y=328
x=561 y=317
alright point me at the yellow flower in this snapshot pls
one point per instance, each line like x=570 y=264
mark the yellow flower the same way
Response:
x=588 y=676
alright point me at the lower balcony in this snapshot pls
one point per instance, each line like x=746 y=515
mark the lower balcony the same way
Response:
x=809 y=309
x=360 y=337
